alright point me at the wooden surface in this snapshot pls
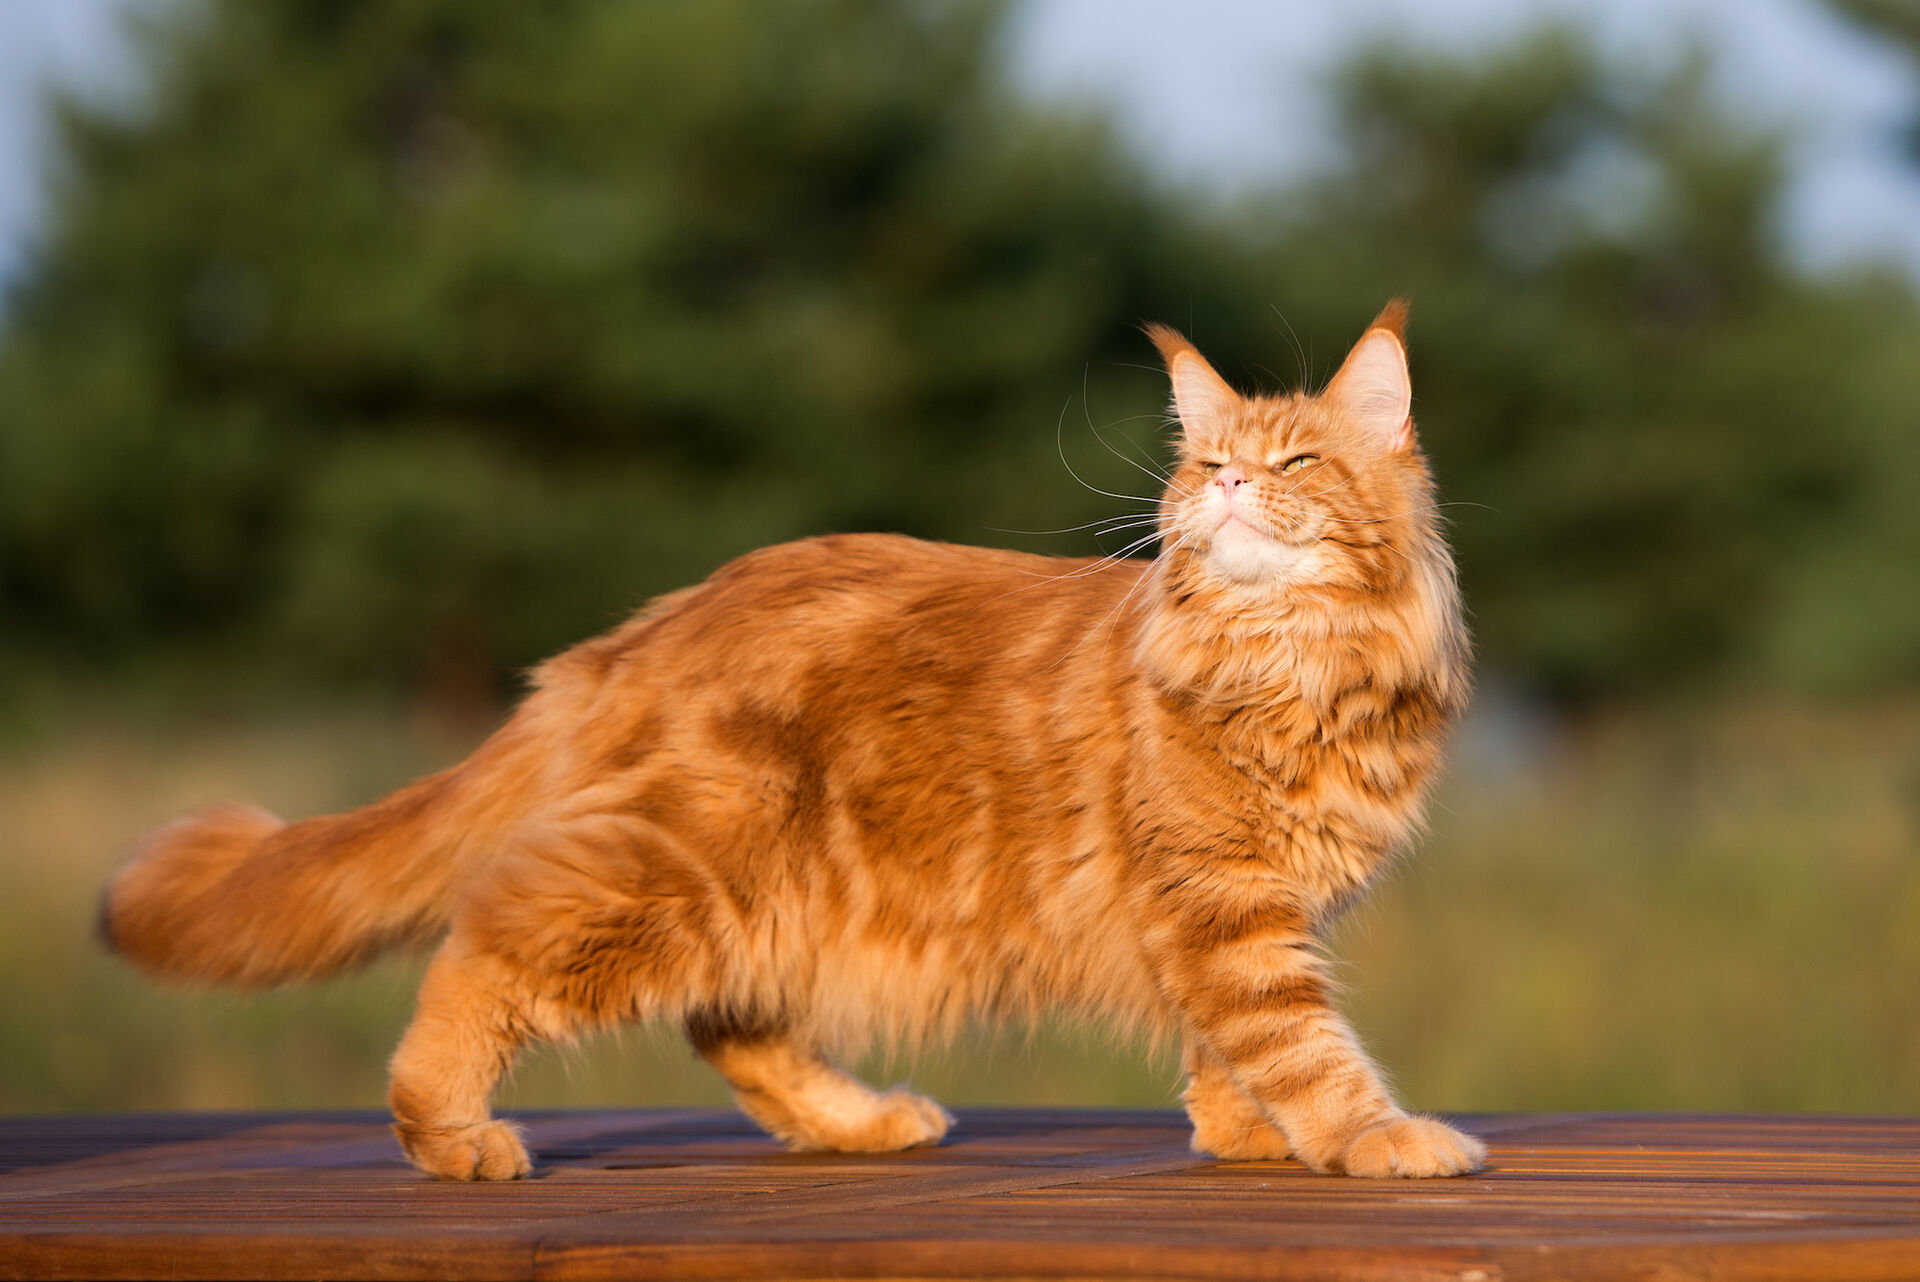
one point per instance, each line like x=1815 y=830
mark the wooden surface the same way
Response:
x=1036 y=1194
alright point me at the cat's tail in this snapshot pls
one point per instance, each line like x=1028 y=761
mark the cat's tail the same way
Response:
x=232 y=895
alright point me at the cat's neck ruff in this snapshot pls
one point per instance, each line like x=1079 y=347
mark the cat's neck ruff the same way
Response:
x=1311 y=646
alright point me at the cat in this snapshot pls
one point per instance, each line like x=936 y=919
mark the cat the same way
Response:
x=864 y=784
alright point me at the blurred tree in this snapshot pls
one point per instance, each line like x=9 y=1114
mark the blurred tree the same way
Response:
x=1664 y=438
x=413 y=341
x=1896 y=20
x=1853 y=616
x=404 y=344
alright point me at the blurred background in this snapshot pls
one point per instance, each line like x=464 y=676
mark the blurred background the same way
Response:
x=353 y=357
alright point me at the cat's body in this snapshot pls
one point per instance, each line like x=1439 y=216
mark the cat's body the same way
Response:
x=867 y=785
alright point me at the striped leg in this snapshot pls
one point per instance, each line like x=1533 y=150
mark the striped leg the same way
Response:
x=1250 y=987
x=1226 y=1121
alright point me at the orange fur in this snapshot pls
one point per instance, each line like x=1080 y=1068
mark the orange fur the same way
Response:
x=864 y=785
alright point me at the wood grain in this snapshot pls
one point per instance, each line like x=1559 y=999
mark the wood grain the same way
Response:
x=1037 y=1194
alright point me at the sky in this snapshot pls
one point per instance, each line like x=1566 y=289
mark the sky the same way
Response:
x=44 y=42
x=1224 y=95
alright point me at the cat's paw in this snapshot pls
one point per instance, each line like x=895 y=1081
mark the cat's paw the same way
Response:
x=482 y=1151
x=1412 y=1148
x=900 y=1120
x=1263 y=1143
x=885 y=1123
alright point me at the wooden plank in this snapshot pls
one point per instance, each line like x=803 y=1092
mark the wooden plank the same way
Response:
x=1039 y=1194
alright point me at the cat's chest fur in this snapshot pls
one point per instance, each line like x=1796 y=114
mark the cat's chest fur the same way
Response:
x=1319 y=796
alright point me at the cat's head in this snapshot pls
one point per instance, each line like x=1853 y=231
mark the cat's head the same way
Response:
x=1284 y=492
x=1318 y=507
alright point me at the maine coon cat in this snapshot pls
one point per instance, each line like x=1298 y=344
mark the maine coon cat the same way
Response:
x=864 y=785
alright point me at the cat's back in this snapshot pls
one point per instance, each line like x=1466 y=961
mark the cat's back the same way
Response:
x=838 y=606
x=861 y=579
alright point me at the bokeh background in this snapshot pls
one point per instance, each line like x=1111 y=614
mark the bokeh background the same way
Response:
x=353 y=357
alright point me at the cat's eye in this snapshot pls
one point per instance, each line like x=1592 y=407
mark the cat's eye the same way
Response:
x=1300 y=462
x=1210 y=468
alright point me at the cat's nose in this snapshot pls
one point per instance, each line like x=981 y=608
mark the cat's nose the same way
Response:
x=1229 y=479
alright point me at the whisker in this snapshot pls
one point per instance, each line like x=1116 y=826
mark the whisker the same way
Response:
x=1382 y=546
x=1158 y=416
x=1394 y=516
x=1095 y=567
x=1060 y=448
x=1299 y=352
x=1112 y=620
x=1150 y=468
x=1132 y=547
x=1318 y=493
x=1086 y=411
x=1112 y=522
x=1153 y=525
x=1122 y=603
x=1107 y=562
x=1375 y=521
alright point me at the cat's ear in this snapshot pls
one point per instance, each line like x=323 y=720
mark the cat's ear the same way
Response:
x=1204 y=403
x=1372 y=389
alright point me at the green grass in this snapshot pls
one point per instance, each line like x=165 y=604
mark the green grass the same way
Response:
x=1715 y=910
x=1711 y=909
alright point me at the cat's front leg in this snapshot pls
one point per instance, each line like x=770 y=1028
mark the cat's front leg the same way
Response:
x=1251 y=988
x=1226 y=1121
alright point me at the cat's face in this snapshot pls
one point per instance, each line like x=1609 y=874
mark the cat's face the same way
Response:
x=1281 y=492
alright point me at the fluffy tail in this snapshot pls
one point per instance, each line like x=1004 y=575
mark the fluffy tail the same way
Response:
x=232 y=895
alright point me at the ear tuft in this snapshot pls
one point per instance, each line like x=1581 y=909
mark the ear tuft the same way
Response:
x=1373 y=387
x=1393 y=318
x=1169 y=341
x=1202 y=401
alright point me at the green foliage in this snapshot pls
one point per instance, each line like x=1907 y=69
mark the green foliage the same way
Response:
x=1677 y=439
x=400 y=345
x=420 y=339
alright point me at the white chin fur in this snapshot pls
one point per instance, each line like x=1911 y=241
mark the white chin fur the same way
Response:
x=1240 y=554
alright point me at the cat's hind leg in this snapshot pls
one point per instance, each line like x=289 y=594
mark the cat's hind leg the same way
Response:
x=468 y=1024
x=1226 y=1121
x=800 y=1098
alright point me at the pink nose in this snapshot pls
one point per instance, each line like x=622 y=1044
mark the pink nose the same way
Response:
x=1229 y=479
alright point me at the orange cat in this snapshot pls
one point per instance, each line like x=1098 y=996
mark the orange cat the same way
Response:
x=864 y=784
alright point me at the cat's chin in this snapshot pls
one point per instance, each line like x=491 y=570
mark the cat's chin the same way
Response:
x=1245 y=558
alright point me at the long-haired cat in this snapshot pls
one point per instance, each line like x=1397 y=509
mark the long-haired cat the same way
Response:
x=865 y=785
